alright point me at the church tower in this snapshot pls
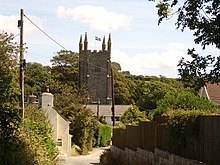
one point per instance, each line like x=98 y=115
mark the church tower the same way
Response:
x=95 y=71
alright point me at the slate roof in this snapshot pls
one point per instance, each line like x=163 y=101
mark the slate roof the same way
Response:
x=213 y=92
x=105 y=110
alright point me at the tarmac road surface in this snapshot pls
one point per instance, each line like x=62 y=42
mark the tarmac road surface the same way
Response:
x=91 y=159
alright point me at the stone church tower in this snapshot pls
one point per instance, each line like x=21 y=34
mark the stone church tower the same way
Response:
x=95 y=71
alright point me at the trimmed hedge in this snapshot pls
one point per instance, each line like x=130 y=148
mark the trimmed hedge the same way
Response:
x=104 y=135
x=183 y=126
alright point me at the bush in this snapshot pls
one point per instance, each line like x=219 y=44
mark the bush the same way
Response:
x=82 y=126
x=183 y=100
x=36 y=131
x=132 y=116
x=104 y=135
x=102 y=120
x=75 y=150
x=183 y=127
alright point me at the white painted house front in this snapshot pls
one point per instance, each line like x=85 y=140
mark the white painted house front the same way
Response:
x=60 y=125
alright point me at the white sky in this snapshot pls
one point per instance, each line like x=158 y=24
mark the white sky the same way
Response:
x=138 y=43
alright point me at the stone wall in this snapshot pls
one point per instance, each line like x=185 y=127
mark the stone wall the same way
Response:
x=142 y=157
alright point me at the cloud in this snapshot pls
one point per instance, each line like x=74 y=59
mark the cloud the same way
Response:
x=97 y=17
x=10 y=23
x=153 y=63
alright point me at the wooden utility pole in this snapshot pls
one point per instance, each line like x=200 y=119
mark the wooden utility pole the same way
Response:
x=113 y=98
x=20 y=25
x=98 y=103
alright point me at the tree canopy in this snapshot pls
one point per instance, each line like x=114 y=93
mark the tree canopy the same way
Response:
x=174 y=101
x=203 y=18
x=21 y=142
x=65 y=67
x=9 y=92
x=37 y=77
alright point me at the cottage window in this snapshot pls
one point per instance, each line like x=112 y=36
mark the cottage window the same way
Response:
x=59 y=142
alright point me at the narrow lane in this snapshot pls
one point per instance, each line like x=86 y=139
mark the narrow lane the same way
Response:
x=91 y=159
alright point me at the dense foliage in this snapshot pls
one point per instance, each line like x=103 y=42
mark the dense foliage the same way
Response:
x=36 y=131
x=199 y=71
x=37 y=77
x=133 y=116
x=149 y=92
x=65 y=67
x=143 y=91
x=104 y=135
x=83 y=126
x=184 y=128
x=124 y=89
x=9 y=92
x=29 y=141
x=182 y=100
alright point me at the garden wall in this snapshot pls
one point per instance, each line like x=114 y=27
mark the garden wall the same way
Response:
x=153 y=136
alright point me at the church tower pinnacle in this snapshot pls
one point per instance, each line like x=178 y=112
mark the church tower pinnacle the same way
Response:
x=109 y=43
x=86 y=42
x=80 y=44
x=103 y=44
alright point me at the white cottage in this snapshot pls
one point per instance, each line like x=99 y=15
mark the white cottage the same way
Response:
x=60 y=125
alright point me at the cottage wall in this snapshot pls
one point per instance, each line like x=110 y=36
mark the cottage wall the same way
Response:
x=63 y=137
x=60 y=125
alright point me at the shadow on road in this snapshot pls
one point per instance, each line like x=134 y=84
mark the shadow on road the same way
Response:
x=96 y=163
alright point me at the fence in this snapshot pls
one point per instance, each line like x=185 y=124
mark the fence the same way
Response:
x=151 y=135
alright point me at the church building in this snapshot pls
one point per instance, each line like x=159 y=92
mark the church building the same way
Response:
x=95 y=71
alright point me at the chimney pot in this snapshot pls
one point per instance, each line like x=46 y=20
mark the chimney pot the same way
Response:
x=47 y=89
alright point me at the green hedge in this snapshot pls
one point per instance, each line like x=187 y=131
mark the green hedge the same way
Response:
x=182 y=100
x=184 y=127
x=104 y=135
x=133 y=116
x=36 y=131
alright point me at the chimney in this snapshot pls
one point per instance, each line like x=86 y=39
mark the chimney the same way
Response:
x=47 y=89
x=46 y=99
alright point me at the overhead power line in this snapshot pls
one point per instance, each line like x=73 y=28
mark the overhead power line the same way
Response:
x=45 y=33
x=90 y=64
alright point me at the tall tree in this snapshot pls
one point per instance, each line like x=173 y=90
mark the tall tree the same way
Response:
x=9 y=92
x=65 y=67
x=195 y=73
x=116 y=66
x=124 y=89
x=149 y=92
x=37 y=77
